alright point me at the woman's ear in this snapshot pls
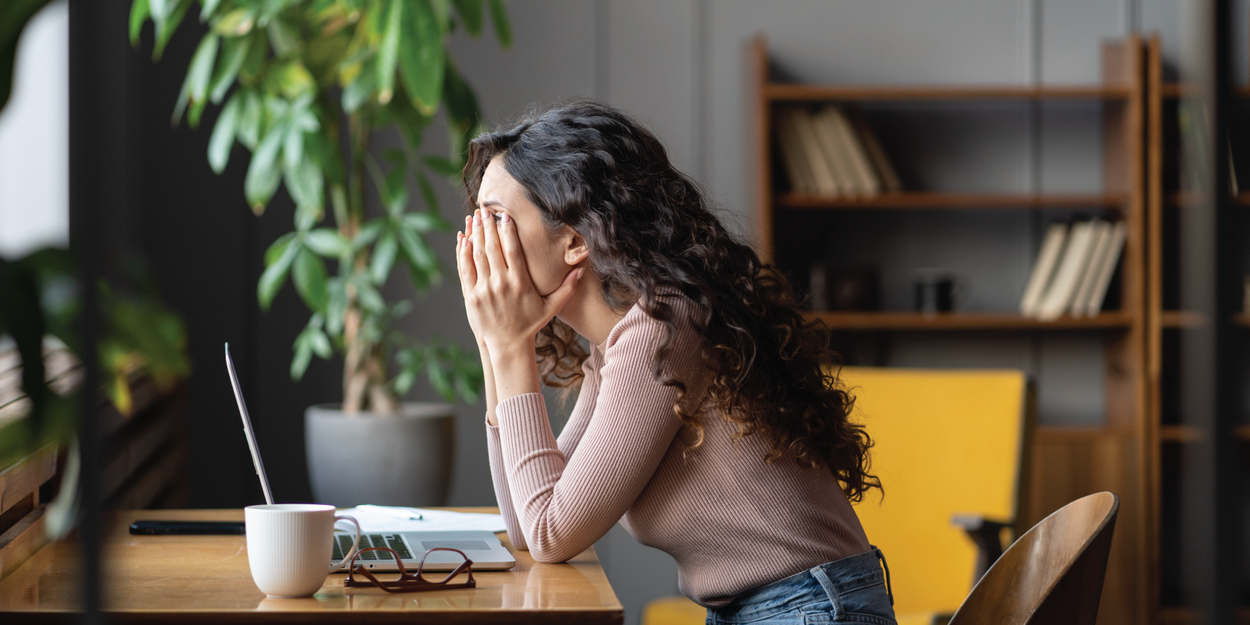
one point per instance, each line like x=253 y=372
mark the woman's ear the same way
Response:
x=575 y=250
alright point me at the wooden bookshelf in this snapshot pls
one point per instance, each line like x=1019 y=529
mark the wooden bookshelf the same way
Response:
x=965 y=321
x=921 y=200
x=1065 y=465
x=1164 y=200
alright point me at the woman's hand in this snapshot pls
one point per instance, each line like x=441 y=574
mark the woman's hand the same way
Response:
x=504 y=309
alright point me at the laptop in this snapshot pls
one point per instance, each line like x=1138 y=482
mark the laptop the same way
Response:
x=482 y=547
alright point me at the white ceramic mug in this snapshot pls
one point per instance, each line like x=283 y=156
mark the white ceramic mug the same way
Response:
x=289 y=544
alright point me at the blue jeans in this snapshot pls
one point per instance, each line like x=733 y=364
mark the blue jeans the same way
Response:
x=850 y=590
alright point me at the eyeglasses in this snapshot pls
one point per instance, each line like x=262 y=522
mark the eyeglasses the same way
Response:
x=408 y=582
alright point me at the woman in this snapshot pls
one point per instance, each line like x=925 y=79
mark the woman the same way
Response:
x=706 y=422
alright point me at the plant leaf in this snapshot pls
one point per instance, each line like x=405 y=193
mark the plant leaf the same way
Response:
x=284 y=37
x=388 y=50
x=264 y=172
x=368 y=234
x=471 y=15
x=233 y=52
x=276 y=248
x=499 y=19
x=166 y=25
x=291 y=79
x=327 y=242
x=306 y=186
x=251 y=118
x=293 y=147
x=423 y=266
x=336 y=305
x=421 y=56
x=235 y=23
x=383 y=257
x=222 y=139
x=303 y=356
x=207 y=10
x=309 y=274
x=254 y=65
x=139 y=12
x=201 y=69
x=360 y=90
x=321 y=344
x=275 y=273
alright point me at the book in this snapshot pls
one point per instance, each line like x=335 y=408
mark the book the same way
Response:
x=1043 y=268
x=797 y=168
x=1101 y=239
x=1062 y=288
x=890 y=182
x=1111 y=258
x=865 y=179
x=822 y=170
x=827 y=137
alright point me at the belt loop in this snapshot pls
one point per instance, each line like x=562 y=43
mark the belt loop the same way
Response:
x=886 y=565
x=823 y=577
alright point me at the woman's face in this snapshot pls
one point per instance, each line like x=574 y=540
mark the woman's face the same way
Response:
x=548 y=256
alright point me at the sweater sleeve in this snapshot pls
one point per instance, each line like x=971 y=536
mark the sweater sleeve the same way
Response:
x=500 y=480
x=564 y=504
x=569 y=437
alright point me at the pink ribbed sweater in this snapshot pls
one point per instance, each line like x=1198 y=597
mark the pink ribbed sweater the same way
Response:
x=731 y=521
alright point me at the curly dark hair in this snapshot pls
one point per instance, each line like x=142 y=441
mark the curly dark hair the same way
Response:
x=650 y=232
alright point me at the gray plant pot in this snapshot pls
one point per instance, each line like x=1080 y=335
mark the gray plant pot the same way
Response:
x=391 y=460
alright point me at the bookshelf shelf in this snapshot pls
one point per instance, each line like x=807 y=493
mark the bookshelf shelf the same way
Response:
x=1182 y=319
x=890 y=320
x=1172 y=90
x=914 y=200
x=1183 y=199
x=1180 y=434
x=785 y=92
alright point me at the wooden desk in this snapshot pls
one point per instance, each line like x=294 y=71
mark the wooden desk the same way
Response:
x=205 y=579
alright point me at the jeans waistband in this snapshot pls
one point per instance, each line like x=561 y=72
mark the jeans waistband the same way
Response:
x=825 y=582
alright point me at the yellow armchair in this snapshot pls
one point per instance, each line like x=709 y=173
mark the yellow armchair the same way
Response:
x=949 y=448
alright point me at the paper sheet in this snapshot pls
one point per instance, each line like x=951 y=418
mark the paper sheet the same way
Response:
x=400 y=519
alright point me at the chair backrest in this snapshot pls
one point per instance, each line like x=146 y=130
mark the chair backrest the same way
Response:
x=945 y=442
x=1053 y=574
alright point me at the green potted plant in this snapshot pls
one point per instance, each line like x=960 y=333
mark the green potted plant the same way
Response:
x=304 y=85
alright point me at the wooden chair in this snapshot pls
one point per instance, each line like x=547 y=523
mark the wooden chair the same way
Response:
x=1052 y=574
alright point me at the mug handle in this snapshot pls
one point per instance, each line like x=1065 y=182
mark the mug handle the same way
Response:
x=355 y=544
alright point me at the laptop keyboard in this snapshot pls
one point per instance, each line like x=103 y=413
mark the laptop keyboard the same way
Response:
x=343 y=544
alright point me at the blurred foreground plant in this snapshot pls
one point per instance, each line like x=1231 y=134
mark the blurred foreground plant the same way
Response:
x=39 y=313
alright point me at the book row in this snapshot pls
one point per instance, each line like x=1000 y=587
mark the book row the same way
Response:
x=833 y=152
x=1073 y=269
